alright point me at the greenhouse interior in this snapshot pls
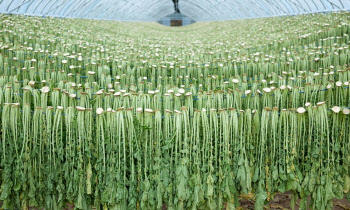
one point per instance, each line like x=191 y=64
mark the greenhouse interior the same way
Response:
x=174 y=104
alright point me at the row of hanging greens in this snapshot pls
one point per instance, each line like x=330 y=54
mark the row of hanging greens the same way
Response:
x=116 y=160
x=226 y=68
x=69 y=95
x=103 y=78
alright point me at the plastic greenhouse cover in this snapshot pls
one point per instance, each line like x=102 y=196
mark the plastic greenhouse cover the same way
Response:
x=150 y=10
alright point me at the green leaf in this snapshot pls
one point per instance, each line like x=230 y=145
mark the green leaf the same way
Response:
x=347 y=195
x=282 y=187
x=210 y=191
x=329 y=192
x=240 y=161
x=275 y=174
x=283 y=176
x=88 y=179
x=291 y=185
x=312 y=182
x=303 y=203
x=241 y=176
x=256 y=174
x=260 y=196
x=347 y=184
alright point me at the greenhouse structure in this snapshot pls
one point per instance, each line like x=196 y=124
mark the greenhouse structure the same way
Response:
x=174 y=104
x=176 y=19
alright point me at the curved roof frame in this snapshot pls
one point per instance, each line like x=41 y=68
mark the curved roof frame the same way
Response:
x=150 y=10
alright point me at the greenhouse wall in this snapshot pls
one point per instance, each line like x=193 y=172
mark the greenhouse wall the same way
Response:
x=165 y=21
x=176 y=19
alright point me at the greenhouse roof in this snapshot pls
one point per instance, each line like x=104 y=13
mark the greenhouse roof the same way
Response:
x=150 y=10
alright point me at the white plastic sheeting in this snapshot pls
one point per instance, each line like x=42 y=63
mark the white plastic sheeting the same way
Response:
x=152 y=10
x=201 y=10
